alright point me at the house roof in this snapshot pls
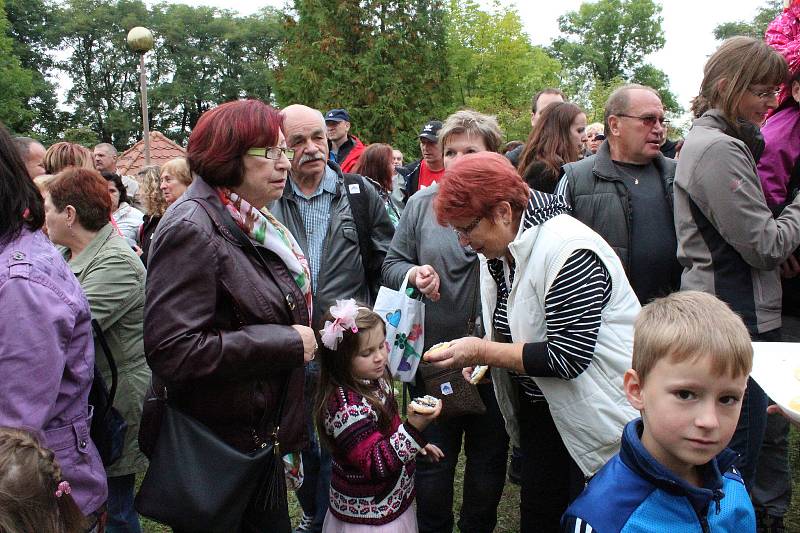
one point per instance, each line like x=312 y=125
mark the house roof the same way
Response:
x=162 y=150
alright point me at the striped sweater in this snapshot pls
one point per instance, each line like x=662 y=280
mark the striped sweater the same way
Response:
x=573 y=306
x=372 y=470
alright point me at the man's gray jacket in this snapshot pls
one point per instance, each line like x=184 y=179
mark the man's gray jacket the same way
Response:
x=342 y=273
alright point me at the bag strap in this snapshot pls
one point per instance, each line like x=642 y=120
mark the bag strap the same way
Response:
x=474 y=308
x=98 y=333
x=361 y=217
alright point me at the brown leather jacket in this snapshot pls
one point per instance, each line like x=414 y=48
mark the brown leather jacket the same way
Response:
x=217 y=326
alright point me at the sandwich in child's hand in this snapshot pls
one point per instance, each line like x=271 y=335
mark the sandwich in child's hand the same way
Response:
x=477 y=374
x=424 y=405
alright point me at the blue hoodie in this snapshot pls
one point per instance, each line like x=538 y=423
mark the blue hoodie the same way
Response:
x=635 y=493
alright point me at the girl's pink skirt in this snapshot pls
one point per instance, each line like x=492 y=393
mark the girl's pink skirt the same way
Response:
x=405 y=523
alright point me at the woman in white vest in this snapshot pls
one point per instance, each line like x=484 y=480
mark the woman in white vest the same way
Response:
x=559 y=315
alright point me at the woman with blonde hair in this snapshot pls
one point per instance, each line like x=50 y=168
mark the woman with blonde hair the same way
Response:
x=446 y=273
x=154 y=205
x=66 y=154
x=729 y=244
x=175 y=179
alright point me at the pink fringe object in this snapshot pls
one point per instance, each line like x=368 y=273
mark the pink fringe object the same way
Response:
x=63 y=488
x=783 y=34
x=344 y=314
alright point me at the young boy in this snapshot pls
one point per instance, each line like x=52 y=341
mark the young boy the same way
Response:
x=691 y=359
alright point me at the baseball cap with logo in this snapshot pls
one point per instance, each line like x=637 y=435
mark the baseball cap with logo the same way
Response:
x=430 y=131
x=337 y=115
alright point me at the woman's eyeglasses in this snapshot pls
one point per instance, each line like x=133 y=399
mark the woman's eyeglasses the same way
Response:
x=766 y=95
x=272 y=153
x=463 y=233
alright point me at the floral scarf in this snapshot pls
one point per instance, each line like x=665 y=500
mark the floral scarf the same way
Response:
x=264 y=228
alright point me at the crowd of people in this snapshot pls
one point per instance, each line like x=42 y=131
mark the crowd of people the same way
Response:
x=610 y=278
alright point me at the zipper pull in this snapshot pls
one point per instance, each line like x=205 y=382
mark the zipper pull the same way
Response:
x=718 y=495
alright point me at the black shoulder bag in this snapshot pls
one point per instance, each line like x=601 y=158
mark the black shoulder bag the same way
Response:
x=360 y=212
x=108 y=425
x=196 y=481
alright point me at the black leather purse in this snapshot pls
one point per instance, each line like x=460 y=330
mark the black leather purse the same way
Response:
x=459 y=397
x=197 y=482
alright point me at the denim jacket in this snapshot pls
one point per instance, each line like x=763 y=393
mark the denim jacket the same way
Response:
x=47 y=360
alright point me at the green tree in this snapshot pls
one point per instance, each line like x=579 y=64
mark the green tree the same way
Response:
x=383 y=60
x=205 y=56
x=16 y=83
x=609 y=40
x=32 y=24
x=494 y=67
x=754 y=28
x=103 y=70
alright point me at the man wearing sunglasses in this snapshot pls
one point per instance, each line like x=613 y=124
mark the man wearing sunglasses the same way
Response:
x=624 y=191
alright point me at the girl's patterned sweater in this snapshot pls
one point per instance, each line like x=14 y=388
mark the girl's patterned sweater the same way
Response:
x=373 y=471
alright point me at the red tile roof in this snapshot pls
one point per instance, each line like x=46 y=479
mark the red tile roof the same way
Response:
x=161 y=151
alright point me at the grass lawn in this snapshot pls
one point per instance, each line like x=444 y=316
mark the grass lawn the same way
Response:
x=508 y=512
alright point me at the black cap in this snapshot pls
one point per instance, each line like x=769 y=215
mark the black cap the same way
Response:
x=337 y=115
x=430 y=131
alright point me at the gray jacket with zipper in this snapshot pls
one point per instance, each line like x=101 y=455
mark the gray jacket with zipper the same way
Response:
x=342 y=272
x=728 y=241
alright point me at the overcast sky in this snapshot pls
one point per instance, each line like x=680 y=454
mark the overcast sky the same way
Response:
x=688 y=27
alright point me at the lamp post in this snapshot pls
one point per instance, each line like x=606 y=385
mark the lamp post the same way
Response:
x=140 y=40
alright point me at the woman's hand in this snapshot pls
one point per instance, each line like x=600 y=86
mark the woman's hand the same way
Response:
x=432 y=452
x=425 y=279
x=790 y=268
x=419 y=420
x=463 y=352
x=309 y=341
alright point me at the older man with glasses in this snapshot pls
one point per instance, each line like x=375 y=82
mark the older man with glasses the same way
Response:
x=624 y=191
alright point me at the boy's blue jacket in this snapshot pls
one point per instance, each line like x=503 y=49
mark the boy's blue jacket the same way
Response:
x=635 y=493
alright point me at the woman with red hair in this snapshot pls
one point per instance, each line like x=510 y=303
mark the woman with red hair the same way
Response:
x=377 y=163
x=229 y=301
x=557 y=334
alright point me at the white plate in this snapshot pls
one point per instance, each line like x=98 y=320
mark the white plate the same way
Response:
x=774 y=368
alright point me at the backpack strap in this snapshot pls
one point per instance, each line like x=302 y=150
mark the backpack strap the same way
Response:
x=98 y=333
x=353 y=185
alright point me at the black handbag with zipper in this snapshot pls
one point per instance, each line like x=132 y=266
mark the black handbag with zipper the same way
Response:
x=459 y=397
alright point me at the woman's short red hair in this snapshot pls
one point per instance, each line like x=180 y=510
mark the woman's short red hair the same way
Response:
x=221 y=137
x=87 y=192
x=475 y=184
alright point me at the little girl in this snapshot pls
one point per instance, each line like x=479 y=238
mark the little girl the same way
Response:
x=33 y=496
x=373 y=453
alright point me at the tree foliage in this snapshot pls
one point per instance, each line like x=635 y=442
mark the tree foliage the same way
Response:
x=205 y=56
x=494 y=68
x=754 y=28
x=606 y=42
x=33 y=30
x=16 y=83
x=382 y=60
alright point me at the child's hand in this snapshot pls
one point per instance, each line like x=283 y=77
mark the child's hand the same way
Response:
x=432 y=452
x=419 y=420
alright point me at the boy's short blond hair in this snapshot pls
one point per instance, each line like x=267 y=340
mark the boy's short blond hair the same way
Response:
x=691 y=324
